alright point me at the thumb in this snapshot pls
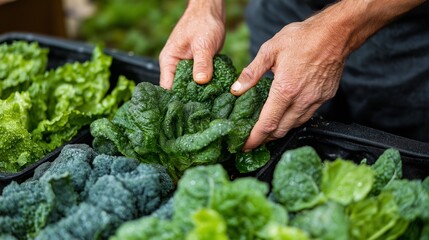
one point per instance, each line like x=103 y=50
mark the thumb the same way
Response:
x=203 y=67
x=250 y=75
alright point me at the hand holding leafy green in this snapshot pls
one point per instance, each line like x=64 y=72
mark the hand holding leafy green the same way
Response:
x=188 y=126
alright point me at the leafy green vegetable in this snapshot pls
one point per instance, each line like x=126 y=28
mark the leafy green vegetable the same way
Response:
x=148 y=228
x=209 y=225
x=346 y=182
x=209 y=206
x=375 y=217
x=325 y=222
x=412 y=199
x=297 y=176
x=82 y=195
x=275 y=231
x=16 y=145
x=20 y=62
x=387 y=168
x=188 y=126
x=49 y=108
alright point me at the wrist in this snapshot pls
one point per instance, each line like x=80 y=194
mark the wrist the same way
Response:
x=215 y=8
x=351 y=22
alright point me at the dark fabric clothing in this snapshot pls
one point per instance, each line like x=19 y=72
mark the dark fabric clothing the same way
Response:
x=385 y=83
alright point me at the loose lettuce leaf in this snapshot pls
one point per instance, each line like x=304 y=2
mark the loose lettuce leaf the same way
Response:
x=209 y=225
x=16 y=145
x=275 y=231
x=375 y=217
x=20 y=62
x=345 y=182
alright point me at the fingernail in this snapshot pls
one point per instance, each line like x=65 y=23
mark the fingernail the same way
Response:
x=200 y=76
x=236 y=86
x=247 y=150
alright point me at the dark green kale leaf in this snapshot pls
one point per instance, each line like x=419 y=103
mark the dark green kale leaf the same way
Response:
x=297 y=178
x=412 y=199
x=387 y=168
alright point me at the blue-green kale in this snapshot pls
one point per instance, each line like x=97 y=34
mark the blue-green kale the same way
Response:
x=82 y=195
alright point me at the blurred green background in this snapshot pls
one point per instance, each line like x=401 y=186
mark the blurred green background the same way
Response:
x=143 y=26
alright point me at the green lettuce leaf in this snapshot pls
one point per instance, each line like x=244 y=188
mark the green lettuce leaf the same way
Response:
x=345 y=182
x=375 y=217
x=209 y=225
x=17 y=147
x=20 y=62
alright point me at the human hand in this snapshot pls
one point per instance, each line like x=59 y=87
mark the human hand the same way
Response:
x=198 y=35
x=307 y=62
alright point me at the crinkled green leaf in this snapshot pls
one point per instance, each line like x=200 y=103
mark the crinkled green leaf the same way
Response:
x=325 y=222
x=275 y=231
x=195 y=191
x=375 y=217
x=209 y=225
x=253 y=160
x=20 y=62
x=387 y=168
x=345 y=182
x=17 y=147
x=296 y=179
x=412 y=199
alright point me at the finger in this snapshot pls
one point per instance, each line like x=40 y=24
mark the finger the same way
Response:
x=269 y=119
x=293 y=117
x=167 y=69
x=250 y=75
x=203 y=66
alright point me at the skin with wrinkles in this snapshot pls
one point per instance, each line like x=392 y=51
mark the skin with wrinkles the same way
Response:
x=307 y=58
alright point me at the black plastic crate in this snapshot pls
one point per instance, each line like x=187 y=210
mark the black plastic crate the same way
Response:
x=61 y=51
x=355 y=142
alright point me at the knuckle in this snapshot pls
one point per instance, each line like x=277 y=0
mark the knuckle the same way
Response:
x=248 y=73
x=265 y=49
x=279 y=133
x=268 y=127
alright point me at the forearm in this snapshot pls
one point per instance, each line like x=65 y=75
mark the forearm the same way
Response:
x=213 y=7
x=351 y=22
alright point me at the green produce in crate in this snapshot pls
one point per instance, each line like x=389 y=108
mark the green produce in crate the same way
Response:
x=20 y=62
x=209 y=206
x=82 y=195
x=49 y=108
x=188 y=126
